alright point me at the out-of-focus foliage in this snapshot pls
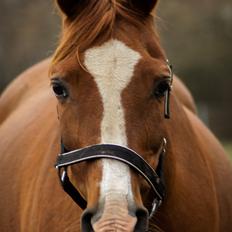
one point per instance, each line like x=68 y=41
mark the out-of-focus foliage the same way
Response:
x=196 y=35
x=28 y=33
x=228 y=147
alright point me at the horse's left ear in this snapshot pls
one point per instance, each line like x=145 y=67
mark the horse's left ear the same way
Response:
x=143 y=6
x=69 y=7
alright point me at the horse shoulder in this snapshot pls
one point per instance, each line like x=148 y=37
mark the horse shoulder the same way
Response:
x=22 y=87
x=28 y=148
x=220 y=166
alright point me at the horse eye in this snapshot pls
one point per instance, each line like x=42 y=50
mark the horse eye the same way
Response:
x=161 y=88
x=60 y=90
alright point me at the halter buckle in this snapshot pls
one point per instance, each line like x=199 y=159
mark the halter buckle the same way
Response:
x=167 y=94
x=63 y=175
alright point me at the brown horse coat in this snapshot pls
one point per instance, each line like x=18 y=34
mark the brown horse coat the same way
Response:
x=31 y=198
x=110 y=89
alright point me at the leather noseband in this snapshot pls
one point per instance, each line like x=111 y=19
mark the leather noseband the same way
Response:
x=116 y=152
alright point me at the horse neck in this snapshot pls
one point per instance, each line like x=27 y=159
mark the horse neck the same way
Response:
x=184 y=153
x=186 y=170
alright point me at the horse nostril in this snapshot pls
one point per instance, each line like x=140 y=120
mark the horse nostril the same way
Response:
x=141 y=225
x=142 y=220
x=86 y=225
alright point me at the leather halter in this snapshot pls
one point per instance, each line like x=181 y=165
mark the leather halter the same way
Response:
x=110 y=151
x=116 y=152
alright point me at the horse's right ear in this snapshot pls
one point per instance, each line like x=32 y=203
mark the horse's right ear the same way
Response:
x=69 y=7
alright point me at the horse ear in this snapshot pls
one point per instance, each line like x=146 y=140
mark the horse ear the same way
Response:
x=143 y=6
x=68 y=7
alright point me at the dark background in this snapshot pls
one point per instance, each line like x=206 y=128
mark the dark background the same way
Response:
x=196 y=35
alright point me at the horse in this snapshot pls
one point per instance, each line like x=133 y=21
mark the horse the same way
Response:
x=133 y=154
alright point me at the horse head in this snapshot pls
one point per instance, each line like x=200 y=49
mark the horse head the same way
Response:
x=112 y=82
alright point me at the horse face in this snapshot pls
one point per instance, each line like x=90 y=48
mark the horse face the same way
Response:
x=113 y=95
x=117 y=99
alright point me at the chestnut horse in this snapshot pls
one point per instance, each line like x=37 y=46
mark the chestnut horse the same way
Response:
x=125 y=159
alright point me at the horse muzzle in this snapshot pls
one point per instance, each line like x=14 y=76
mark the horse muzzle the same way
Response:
x=115 y=217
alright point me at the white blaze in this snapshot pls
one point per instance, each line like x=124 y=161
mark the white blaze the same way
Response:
x=112 y=66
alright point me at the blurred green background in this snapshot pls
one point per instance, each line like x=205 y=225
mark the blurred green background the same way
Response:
x=196 y=35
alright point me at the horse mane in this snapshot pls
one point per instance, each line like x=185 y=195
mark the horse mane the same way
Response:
x=95 y=22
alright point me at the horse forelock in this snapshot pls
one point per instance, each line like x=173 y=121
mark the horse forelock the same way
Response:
x=96 y=22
